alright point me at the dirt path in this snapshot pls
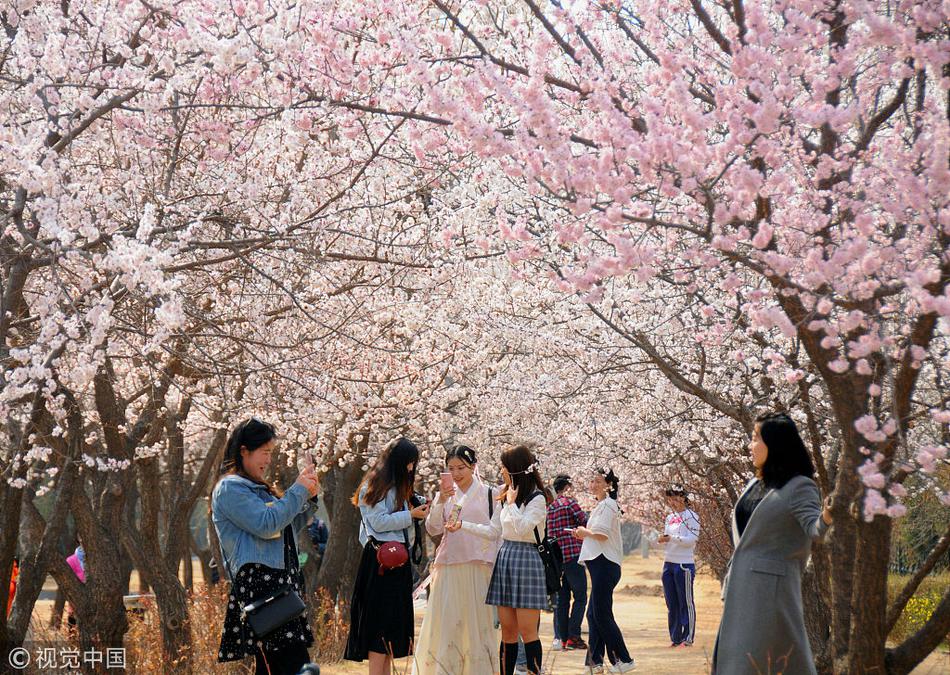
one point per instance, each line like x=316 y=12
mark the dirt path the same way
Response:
x=641 y=614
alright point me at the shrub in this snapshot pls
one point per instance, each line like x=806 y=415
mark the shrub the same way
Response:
x=920 y=607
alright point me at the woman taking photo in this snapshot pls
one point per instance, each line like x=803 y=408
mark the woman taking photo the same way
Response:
x=773 y=525
x=381 y=616
x=257 y=527
x=680 y=534
x=517 y=583
x=602 y=552
x=458 y=633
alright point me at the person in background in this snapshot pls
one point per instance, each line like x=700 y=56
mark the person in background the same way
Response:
x=257 y=526
x=774 y=523
x=319 y=535
x=602 y=552
x=14 y=573
x=458 y=634
x=382 y=621
x=77 y=563
x=564 y=514
x=679 y=567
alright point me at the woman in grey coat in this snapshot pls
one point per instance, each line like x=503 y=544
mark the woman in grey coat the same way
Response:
x=773 y=525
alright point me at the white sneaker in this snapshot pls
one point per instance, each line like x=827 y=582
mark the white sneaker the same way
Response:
x=521 y=670
x=622 y=667
x=595 y=670
x=557 y=645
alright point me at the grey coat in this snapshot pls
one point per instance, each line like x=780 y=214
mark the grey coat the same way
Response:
x=763 y=626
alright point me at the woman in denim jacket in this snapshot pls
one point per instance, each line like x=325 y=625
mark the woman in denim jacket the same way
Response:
x=381 y=616
x=257 y=527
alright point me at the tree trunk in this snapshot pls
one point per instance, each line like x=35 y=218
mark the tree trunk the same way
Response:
x=188 y=572
x=816 y=590
x=59 y=604
x=868 y=632
x=342 y=557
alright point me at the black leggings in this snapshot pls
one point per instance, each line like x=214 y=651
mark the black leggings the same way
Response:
x=285 y=661
x=604 y=635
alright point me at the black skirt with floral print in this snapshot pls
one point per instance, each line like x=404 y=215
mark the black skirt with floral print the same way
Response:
x=253 y=582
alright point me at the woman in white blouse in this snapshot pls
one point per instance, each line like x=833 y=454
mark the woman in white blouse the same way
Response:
x=517 y=584
x=602 y=552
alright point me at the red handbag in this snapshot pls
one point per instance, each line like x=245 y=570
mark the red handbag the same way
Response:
x=390 y=555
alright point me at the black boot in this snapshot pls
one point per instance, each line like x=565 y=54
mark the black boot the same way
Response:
x=507 y=657
x=532 y=650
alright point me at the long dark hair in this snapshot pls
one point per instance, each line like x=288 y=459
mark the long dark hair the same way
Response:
x=522 y=466
x=787 y=457
x=388 y=471
x=249 y=435
x=613 y=482
x=462 y=452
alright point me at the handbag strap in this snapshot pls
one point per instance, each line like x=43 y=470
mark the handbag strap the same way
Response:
x=537 y=537
x=405 y=531
x=227 y=566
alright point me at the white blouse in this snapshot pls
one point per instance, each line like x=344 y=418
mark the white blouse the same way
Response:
x=514 y=523
x=604 y=519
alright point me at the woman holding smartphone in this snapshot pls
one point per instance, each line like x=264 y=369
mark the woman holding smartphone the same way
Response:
x=381 y=616
x=517 y=584
x=458 y=632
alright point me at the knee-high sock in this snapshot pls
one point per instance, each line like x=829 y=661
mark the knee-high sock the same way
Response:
x=507 y=657
x=532 y=650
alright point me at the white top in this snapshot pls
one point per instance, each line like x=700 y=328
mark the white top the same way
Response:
x=514 y=523
x=683 y=529
x=604 y=519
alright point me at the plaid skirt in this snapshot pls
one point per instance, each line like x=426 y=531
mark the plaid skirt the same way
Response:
x=518 y=577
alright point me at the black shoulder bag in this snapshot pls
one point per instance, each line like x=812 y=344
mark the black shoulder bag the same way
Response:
x=266 y=615
x=551 y=556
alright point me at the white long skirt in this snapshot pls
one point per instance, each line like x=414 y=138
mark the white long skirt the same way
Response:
x=458 y=635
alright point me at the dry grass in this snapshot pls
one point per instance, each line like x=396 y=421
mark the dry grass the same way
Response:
x=328 y=620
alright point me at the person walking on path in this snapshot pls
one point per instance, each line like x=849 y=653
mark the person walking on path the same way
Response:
x=382 y=621
x=679 y=567
x=458 y=634
x=257 y=527
x=774 y=523
x=602 y=552
x=565 y=514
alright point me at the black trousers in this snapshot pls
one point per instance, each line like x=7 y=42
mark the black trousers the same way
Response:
x=604 y=635
x=285 y=661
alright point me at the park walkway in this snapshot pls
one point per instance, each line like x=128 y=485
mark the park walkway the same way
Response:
x=641 y=613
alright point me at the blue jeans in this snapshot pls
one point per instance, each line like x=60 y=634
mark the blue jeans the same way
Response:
x=574 y=582
x=604 y=634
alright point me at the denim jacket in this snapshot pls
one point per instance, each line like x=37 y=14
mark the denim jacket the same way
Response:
x=385 y=521
x=250 y=521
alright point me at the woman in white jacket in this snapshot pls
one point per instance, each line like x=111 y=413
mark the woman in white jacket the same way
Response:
x=680 y=533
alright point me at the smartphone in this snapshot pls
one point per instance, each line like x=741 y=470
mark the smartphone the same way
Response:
x=456 y=514
x=446 y=482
